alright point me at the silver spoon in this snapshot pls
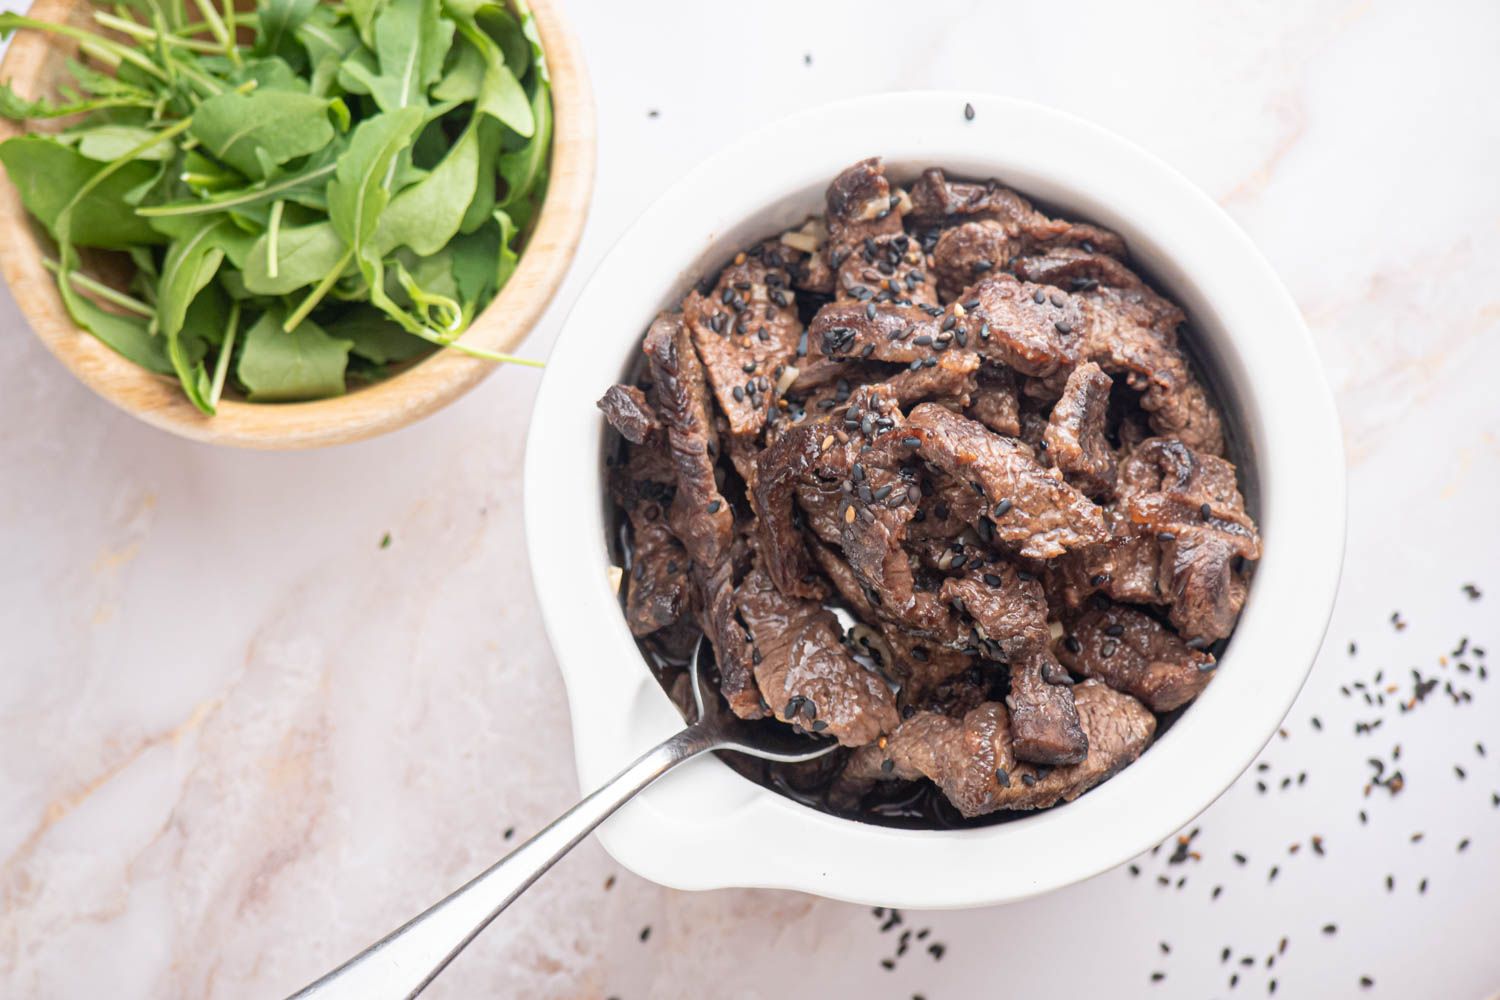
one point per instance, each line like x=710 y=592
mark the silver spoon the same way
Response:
x=404 y=962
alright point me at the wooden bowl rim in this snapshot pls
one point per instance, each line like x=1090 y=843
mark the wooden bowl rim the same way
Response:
x=362 y=413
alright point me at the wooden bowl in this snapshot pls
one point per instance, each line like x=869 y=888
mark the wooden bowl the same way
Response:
x=35 y=60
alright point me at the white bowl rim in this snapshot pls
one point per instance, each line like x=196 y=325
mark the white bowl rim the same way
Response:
x=706 y=827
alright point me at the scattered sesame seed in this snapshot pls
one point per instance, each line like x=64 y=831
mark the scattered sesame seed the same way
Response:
x=968 y=112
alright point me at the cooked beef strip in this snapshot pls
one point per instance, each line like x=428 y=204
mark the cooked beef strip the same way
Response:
x=804 y=671
x=995 y=403
x=699 y=515
x=658 y=592
x=873 y=331
x=973 y=760
x=1010 y=609
x=1132 y=331
x=1031 y=507
x=1033 y=329
x=1164 y=549
x=937 y=200
x=909 y=644
x=886 y=269
x=952 y=382
x=746 y=331
x=802 y=249
x=948 y=508
x=780 y=469
x=1008 y=605
x=1127 y=567
x=1043 y=717
x=1132 y=652
x=969 y=251
x=860 y=207
x=626 y=409
x=1075 y=434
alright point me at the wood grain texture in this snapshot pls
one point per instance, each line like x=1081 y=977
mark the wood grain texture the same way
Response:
x=35 y=61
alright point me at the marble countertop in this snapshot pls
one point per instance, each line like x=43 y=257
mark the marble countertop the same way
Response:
x=239 y=739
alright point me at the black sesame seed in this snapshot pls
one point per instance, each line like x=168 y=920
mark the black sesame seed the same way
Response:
x=1003 y=507
x=968 y=112
x=1028 y=780
x=1003 y=777
x=714 y=505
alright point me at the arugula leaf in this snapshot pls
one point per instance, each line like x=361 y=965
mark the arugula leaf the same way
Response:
x=48 y=173
x=501 y=25
x=271 y=73
x=192 y=261
x=482 y=207
x=376 y=338
x=364 y=13
x=230 y=238
x=523 y=168
x=412 y=41
x=19 y=109
x=280 y=366
x=278 y=22
x=103 y=143
x=500 y=94
x=509 y=258
x=127 y=336
x=464 y=78
x=328 y=44
x=262 y=128
x=304 y=255
x=427 y=215
x=474 y=258
x=361 y=189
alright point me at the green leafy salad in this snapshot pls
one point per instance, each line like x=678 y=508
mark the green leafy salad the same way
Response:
x=296 y=214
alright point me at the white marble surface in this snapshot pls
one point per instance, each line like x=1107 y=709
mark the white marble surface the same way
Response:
x=238 y=739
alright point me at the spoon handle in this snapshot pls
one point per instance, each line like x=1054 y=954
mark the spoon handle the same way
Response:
x=401 y=964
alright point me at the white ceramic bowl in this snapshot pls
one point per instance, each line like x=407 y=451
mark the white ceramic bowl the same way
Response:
x=706 y=827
